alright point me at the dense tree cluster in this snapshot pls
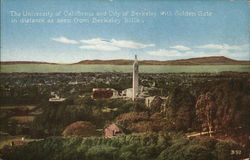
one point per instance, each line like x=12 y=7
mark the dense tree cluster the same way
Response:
x=127 y=147
x=205 y=111
x=136 y=122
x=56 y=117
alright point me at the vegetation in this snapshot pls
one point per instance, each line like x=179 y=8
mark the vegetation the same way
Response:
x=151 y=146
x=80 y=128
x=205 y=111
x=56 y=117
x=183 y=104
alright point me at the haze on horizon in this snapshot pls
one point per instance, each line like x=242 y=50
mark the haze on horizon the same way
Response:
x=222 y=32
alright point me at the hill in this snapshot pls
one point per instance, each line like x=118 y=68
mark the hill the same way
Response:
x=213 y=60
x=107 y=62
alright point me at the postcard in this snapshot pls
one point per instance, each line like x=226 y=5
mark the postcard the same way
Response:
x=125 y=80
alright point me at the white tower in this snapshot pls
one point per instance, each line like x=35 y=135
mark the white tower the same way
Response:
x=135 y=79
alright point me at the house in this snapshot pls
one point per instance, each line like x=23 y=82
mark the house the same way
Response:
x=104 y=93
x=112 y=130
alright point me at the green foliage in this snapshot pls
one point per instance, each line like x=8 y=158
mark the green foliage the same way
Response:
x=180 y=107
x=224 y=150
x=169 y=146
x=102 y=153
x=56 y=117
x=233 y=110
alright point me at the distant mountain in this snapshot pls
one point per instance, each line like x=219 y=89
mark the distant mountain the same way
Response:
x=85 y=62
x=108 y=62
x=214 y=60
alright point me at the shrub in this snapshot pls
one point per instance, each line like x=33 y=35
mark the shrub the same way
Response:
x=102 y=153
x=131 y=117
x=80 y=128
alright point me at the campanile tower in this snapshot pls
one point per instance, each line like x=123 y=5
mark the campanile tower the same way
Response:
x=135 y=78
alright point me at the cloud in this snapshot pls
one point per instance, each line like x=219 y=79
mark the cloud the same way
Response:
x=112 y=45
x=64 y=40
x=179 y=47
x=239 y=54
x=100 y=44
x=164 y=52
x=95 y=41
x=130 y=44
x=219 y=47
x=231 y=51
x=245 y=47
x=100 y=47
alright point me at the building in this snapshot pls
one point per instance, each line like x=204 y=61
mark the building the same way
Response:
x=142 y=92
x=135 y=79
x=56 y=99
x=127 y=93
x=112 y=130
x=99 y=93
x=136 y=91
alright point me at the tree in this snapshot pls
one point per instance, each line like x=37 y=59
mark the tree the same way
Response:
x=180 y=109
x=80 y=128
x=156 y=104
x=205 y=111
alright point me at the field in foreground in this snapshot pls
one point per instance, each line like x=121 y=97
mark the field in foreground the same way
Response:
x=43 y=68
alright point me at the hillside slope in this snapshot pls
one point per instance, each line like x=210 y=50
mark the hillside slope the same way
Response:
x=214 y=60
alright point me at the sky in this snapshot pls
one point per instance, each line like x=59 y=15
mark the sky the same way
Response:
x=66 y=31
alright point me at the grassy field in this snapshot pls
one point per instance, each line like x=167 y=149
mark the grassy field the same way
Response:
x=43 y=68
x=7 y=139
x=23 y=119
x=18 y=107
